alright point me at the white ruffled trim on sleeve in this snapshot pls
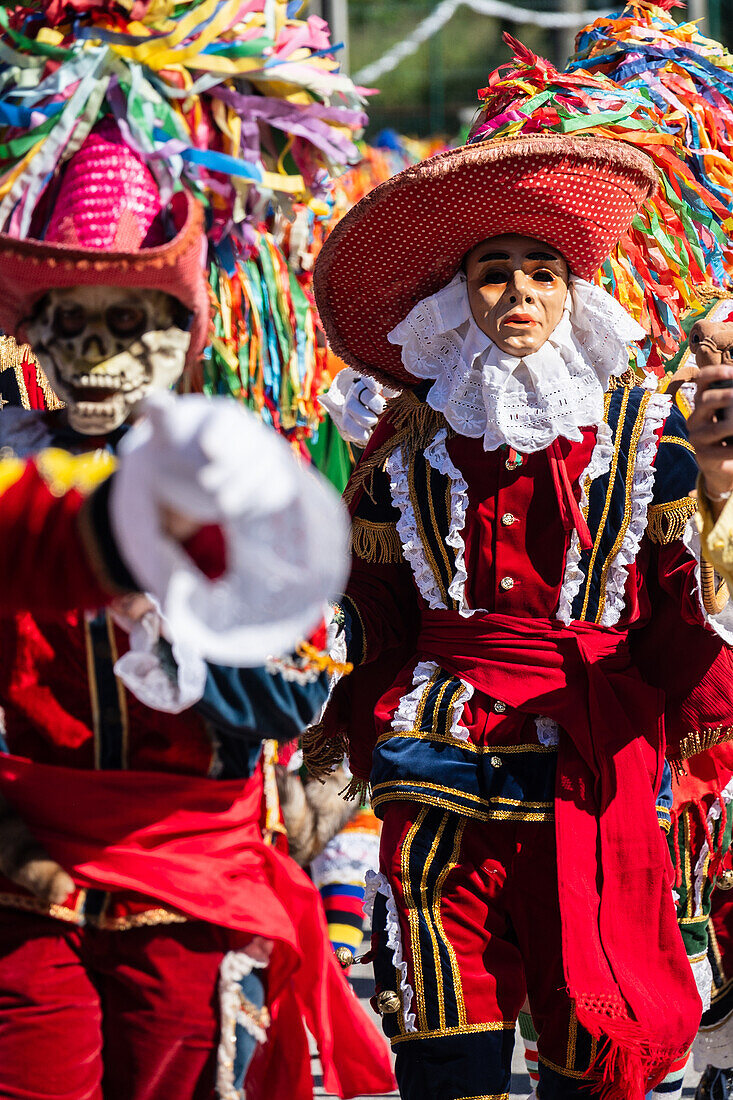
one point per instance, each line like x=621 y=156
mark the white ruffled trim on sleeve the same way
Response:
x=642 y=492
x=722 y=623
x=437 y=455
x=377 y=883
x=406 y=525
x=143 y=672
x=405 y=716
x=599 y=464
x=702 y=972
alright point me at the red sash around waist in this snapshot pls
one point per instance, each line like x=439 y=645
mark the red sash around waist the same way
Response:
x=625 y=964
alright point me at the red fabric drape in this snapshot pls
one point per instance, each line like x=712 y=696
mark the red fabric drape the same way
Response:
x=194 y=844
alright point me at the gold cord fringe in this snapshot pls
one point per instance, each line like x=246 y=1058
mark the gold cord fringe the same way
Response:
x=707 y=293
x=377 y=543
x=701 y=740
x=322 y=755
x=356 y=789
x=415 y=425
x=666 y=522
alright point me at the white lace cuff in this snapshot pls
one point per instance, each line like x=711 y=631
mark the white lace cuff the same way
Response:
x=171 y=689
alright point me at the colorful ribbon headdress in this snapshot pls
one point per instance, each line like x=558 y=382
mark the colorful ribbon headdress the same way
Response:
x=236 y=101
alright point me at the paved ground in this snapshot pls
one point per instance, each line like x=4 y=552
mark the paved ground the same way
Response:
x=363 y=986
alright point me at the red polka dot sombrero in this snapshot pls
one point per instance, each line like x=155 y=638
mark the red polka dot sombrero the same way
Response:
x=408 y=236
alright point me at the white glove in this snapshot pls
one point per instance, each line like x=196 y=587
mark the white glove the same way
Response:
x=285 y=530
x=355 y=403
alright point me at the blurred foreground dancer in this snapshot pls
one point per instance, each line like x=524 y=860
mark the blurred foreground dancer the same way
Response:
x=150 y=939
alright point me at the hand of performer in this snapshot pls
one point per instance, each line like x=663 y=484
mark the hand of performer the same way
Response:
x=711 y=434
x=26 y=863
x=355 y=403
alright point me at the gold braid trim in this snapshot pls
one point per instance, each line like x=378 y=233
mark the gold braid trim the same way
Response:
x=415 y=425
x=322 y=755
x=52 y=401
x=377 y=543
x=149 y=918
x=701 y=740
x=666 y=522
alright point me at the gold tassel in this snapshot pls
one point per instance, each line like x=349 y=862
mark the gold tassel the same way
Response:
x=701 y=740
x=714 y=596
x=666 y=522
x=321 y=754
x=377 y=543
x=356 y=789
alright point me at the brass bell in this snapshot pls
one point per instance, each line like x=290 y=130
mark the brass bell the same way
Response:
x=388 y=1002
x=344 y=957
x=725 y=882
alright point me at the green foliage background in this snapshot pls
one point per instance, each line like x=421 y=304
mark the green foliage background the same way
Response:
x=432 y=91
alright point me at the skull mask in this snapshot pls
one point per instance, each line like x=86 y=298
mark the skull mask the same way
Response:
x=104 y=348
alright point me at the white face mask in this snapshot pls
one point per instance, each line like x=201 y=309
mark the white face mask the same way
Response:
x=525 y=402
x=104 y=348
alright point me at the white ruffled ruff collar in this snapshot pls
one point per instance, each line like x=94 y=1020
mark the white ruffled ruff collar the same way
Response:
x=523 y=402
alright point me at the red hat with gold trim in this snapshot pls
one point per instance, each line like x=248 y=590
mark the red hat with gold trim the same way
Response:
x=108 y=227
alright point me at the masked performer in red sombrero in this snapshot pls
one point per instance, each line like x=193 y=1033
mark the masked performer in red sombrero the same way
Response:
x=522 y=547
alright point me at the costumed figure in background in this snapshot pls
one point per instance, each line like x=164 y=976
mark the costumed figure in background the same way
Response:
x=507 y=706
x=161 y=898
x=689 y=78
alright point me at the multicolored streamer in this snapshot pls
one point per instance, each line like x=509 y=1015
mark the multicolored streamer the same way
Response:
x=681 y=239
x=689 y=79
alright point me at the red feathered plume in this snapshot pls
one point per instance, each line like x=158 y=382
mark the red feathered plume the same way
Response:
x=667 y=5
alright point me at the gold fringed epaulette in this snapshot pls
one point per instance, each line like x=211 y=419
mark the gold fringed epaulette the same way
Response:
x=415 y=425
x=666 y=522
x=322 y=754
x=415 y=422
x=376 y=543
